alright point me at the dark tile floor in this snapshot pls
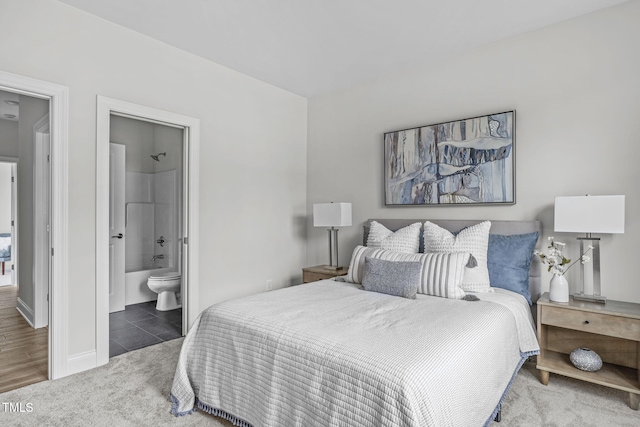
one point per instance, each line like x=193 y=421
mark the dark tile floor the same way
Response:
x=141 y=325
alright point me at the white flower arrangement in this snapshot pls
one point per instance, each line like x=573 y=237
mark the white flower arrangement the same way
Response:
x=556 y=261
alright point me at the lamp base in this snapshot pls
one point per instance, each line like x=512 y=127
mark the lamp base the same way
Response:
x=590 y=298
x=332 y=267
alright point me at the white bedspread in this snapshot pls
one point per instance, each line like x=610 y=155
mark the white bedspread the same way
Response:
x=331 y=354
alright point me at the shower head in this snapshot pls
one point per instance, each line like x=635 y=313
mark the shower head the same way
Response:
x=156 y=157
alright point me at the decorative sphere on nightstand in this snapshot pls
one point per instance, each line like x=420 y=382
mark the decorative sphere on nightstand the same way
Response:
x=586 y=359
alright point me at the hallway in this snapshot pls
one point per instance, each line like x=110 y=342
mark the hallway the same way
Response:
x=23 y=350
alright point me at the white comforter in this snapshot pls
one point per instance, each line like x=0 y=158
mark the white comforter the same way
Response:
x=331 y=354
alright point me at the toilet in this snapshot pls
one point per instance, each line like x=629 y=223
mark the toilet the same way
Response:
x=165 y=285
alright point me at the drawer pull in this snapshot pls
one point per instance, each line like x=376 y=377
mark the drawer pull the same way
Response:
x=586 y=322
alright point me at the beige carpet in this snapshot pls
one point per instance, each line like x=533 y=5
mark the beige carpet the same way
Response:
x=133 y=389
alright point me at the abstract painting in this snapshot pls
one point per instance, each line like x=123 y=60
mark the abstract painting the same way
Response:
x=468 y=161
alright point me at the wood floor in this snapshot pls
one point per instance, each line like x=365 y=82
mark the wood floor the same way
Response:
x=23 y=350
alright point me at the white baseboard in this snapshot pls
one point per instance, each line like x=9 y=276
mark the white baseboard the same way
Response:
x=25 y=311
x=81 y=362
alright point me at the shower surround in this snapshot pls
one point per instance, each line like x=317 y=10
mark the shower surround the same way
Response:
x=151 y=212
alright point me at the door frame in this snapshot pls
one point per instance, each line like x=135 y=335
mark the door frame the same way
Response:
x=58 y=97
x=191 y=190
x=14 y=222
x=118 y=290
x=41 y=216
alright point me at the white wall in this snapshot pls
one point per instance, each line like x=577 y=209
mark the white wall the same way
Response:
x=576 y=91
x=137 y=136
x=8 y=148
x=8 y=138
x=5 y=197
x=32 y=110
x=253 y=148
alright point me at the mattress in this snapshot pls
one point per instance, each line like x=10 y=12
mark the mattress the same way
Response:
x=331 y=354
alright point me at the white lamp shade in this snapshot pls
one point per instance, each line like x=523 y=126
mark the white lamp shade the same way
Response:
x=331 y=214
x=589 y=214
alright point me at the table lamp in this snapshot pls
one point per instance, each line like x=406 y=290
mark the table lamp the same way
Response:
x=590 y=214
x=332 y=215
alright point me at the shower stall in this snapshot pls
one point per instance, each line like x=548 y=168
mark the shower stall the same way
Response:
x=151 y=229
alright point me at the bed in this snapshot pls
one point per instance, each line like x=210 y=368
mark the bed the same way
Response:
x=330 y=354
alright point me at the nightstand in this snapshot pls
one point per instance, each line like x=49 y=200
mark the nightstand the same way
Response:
x=313 y=274
x=612 y=330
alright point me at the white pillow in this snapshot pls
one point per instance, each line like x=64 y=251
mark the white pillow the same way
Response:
x=406 y=239
x=473 y=240
x=440 y=276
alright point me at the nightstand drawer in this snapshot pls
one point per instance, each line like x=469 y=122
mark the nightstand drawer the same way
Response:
x=602 y=324
x=319 y=272
x=314 y=277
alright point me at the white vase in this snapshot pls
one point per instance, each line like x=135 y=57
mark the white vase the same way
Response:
x=559 y=289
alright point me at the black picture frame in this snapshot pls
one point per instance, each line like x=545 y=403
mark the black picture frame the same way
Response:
x=457 y=163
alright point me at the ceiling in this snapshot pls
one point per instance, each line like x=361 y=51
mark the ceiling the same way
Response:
x=311 y=47
x=9 y=106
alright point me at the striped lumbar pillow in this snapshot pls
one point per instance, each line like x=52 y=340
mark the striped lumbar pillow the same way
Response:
x=441 y=273
x=406 y=239
x=473 y=240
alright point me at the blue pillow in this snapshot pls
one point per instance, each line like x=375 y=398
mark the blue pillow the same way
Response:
x=508 y=261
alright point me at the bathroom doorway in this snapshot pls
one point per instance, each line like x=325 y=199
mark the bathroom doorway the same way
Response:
x=145 y=180
x=146 y=269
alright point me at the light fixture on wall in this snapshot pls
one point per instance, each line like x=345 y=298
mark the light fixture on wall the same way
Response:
x=156 y=157
x=590 y=214
x=332 y=215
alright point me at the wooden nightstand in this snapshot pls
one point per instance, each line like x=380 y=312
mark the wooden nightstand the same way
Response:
x=313 y=274
x=612 y=330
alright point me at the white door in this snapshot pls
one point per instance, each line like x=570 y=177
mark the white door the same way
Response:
x=117 y=155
